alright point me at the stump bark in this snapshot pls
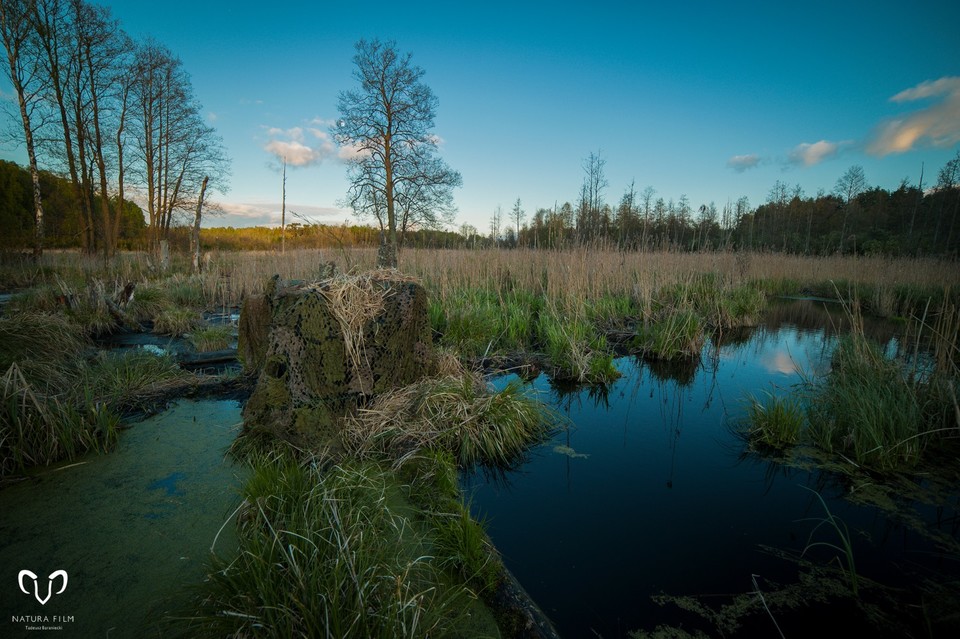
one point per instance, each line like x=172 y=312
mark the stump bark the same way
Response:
x=322 y=349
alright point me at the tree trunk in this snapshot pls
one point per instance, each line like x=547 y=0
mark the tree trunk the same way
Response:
x=120 y=126
x=13 y=36
x=106 y=223
x=195 y=238
x=387 y=255
x=164 y=256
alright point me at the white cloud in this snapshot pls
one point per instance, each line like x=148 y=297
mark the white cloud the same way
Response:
x=809 y=154
x=212 y=117
x=295 y=153
x=741 y=163
x=290 y=145
x=936 y=125
x=243 y=214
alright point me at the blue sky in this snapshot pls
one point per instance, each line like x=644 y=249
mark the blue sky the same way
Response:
x=693 y=98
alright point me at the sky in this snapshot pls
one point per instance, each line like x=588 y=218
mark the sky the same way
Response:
x=705 y=99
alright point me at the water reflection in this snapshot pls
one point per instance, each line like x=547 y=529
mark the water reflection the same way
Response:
x=649 y=489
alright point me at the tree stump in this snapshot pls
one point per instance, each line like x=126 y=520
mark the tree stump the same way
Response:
x=322 y=349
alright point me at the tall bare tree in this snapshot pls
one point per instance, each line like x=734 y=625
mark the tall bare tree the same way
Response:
x=101 y=46
x=495 y=221
x=174 y=149
x=16 y=32
x=387 y=123
x=56 y=51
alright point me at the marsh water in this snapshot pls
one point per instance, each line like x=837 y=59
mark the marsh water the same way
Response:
x=132 y=529
x=649 y=491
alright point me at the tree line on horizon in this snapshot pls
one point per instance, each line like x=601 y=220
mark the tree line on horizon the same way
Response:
x=854 y=218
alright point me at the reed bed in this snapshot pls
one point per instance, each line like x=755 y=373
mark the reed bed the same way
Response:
x=580 y=272
x=571 y=307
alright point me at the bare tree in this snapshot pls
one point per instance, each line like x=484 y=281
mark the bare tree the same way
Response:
x=495 y=220
x=175 y=150
x=589 y=222
x=646 y=197
x=387 y=123
x=424 y=202
x=16 y=31
x=848 y=187
x=283 y=205
x=100 y=48
x=518 y=215
x=57 y=53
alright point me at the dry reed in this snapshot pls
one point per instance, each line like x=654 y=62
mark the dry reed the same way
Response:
x=575 y=273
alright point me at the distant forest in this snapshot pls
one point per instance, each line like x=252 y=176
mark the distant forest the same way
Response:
x=853 y=218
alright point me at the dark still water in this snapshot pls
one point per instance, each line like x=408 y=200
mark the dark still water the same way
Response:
x=649 y=492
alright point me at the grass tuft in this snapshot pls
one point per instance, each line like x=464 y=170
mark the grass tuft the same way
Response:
x=338 y=553
x=211 y=338
x=456 y=414
x=176 y=321
x=775 y=421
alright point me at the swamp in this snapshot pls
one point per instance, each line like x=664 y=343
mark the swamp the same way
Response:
x=523 y=444
x=287 y=351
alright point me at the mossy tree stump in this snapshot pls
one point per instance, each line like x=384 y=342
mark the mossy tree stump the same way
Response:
x=322 y=349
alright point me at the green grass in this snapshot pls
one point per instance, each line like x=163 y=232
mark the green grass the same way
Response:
x=149 y=301
x=481 y=322
x=872 y=411
x=868 y=409
x=176 y=321
x=46 y=347
x=37 y=430
x=574 y=349
x=463 y=544
x=121 y=378
x=56 y=402
x=673 y=334
x=184 y=291
x=775 y=421
x=338 y=553
x=210 y=338
x=845 y=559
x=612 y=310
